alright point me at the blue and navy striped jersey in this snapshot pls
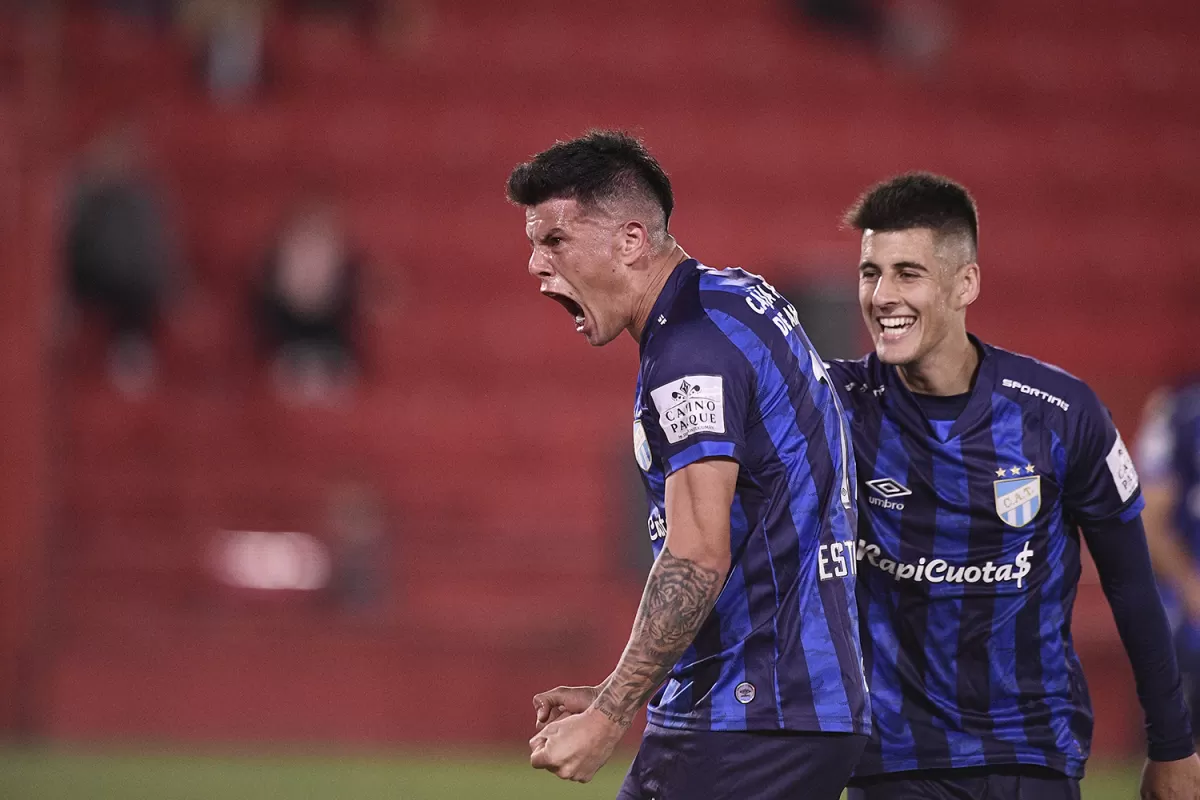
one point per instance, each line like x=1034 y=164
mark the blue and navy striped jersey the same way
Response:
x=969 y=559
x=726 y=371
x=1168 y=452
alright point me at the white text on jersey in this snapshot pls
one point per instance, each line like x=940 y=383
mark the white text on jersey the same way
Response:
x=837 y=560
x=763 y=298
x=1009 y=383
x=938 y=571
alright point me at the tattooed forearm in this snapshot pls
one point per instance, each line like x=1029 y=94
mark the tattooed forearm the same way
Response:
x=678 y=598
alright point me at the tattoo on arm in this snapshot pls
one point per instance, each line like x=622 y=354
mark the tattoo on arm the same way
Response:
x=678 y=598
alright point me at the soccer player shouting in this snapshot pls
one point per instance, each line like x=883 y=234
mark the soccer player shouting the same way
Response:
x=978 y=469
x=746 y=637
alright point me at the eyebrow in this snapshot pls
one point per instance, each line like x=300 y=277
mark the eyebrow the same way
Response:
x=545 y=236
x=865 y=265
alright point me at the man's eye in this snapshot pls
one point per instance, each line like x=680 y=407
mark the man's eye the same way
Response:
x=553 y=241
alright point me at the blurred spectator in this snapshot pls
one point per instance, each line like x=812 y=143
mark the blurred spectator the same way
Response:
x=120 y=251
x=830 y=310
x=307 y=304
x=1168 y=451
x=913 y=33
x=363 y=15
x=228 y=38
x=358 y=529
x=393 y=24
x=157 y=12
x=862 y=19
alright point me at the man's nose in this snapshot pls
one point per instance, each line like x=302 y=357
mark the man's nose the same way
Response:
x=539 y=267
x=885 y=293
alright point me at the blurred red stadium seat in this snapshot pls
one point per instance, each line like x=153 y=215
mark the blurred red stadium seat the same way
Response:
x=496 y=437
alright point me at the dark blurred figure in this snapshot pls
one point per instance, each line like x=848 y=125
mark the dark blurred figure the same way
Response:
x=861 y=19
x=156 y=12
x=358 y=529
x=912 y=33
x=364 y=15
x=832 y=319
x=120 y=253
x=394 y=25
x=228 y=39
x=1168 y=451
x=307 y=304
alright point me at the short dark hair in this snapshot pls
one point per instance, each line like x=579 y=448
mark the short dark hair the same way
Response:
x=594 y=168
x=916 y=200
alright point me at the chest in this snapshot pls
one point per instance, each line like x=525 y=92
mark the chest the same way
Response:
x=992 y=479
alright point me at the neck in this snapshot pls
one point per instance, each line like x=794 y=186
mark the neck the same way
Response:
x=660 y=269
x=948 y=370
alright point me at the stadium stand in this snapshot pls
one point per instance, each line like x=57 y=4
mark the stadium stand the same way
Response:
x=496 y=439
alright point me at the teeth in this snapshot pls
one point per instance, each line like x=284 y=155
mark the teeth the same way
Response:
x=895 y=323
x=579 y=322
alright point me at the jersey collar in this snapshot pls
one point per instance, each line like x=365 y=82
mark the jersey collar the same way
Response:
x=979 y=406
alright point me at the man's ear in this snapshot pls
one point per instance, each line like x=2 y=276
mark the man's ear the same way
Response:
x=634 y=243
x=967 y=289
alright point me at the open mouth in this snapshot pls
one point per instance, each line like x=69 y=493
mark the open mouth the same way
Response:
x=895 y=327
x=573 y=308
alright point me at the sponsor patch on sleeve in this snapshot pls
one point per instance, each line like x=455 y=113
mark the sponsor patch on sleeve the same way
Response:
x=1123 y=472
x=693 y=404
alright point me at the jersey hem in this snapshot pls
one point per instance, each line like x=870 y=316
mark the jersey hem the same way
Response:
x=810 y=725
x=1072 y=769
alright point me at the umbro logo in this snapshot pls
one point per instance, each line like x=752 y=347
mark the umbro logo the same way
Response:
x=889 y=488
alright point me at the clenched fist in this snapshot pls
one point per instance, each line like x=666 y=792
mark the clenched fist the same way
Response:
x=575 y=746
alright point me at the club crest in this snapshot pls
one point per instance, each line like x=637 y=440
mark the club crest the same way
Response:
x=1018 y=500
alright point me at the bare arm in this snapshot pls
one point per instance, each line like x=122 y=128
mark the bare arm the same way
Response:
x=682 y=588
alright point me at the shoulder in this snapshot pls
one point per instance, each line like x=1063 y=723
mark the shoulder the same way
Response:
x=857 y=382
x=693 y=337
x=750 y=311
x=685 y=337
x=849 y=374
x=1062 y=402
x=1032 y=382
x=708 y=307
x=697 y=289
x=733 y=280
x=734 y=291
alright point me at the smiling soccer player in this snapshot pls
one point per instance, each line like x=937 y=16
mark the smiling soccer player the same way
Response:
x=979 y=467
